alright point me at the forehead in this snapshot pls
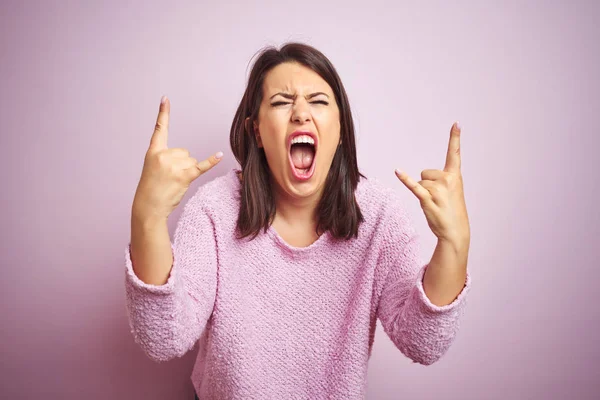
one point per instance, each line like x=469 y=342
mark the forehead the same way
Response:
x=293 y=77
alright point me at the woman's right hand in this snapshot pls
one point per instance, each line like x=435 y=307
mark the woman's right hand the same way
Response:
x=167 y=173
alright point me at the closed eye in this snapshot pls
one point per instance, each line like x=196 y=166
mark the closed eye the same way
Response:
x=279 y=103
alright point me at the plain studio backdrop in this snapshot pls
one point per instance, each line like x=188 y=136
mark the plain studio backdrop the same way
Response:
x=81 y=84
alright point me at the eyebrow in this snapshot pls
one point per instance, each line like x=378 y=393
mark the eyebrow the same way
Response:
x=292 y=96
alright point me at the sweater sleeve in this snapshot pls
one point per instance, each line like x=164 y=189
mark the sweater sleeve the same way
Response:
x=420 y=329
x=167 y=320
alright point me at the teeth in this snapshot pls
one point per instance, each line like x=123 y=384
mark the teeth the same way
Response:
x=303 y=139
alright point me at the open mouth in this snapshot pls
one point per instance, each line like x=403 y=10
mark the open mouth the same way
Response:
x=302 y=156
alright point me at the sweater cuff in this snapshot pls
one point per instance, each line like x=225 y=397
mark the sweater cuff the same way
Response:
x=429 y=306
x=133 y=279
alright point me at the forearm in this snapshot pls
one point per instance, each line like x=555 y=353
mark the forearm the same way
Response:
x=446 y=273
x=151 y=254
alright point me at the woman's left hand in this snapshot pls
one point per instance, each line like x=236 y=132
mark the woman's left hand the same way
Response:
x=441 y=195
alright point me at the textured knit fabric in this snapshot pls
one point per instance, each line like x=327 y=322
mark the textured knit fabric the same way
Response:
x=280 y=322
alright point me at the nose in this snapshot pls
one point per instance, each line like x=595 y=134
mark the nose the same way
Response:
x=301 y=113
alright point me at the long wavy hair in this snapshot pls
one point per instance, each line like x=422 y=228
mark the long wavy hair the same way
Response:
x=337 y=211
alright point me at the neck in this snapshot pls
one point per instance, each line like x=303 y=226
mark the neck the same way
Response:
x=296 y=211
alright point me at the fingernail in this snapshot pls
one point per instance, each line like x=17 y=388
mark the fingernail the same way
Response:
x=219 y=155
x=398 y=172
x=458 y=126
x=163 y=99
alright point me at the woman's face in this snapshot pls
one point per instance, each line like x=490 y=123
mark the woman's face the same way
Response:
x=299 y=128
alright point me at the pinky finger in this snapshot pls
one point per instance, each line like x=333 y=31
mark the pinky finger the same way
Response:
x=210 y=162
x=418 y=190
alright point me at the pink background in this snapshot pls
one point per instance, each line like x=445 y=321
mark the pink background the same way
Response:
x=80 y=88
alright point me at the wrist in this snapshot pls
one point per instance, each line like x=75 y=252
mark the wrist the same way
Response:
x=145 y=219
x=457 y=245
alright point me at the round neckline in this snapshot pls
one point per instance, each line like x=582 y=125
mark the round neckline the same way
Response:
x=297 y=250
x=278 y=239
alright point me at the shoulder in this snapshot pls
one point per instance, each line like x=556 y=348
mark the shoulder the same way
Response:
x=218 y=195
x=375 y=197
x=383 y=206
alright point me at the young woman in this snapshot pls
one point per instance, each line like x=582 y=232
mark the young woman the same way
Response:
x=282 y=267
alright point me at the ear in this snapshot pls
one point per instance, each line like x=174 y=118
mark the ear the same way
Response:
x=254 y=129
x=257 y=135
x=246 y=126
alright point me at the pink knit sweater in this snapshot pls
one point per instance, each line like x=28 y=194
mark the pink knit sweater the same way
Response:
x=280 y=322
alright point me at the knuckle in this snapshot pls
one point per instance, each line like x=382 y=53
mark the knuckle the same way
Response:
x=183 y=151
x=179 y=175
x=162 y=158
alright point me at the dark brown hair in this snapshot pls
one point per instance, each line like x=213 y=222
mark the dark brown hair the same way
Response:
x=337 y=210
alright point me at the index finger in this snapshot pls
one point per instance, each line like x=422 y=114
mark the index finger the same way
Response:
x=453 y=155
x=161 y=129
